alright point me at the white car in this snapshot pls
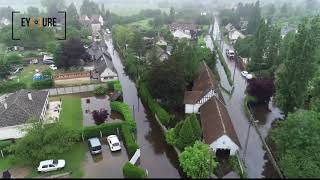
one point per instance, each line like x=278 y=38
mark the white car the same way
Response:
x=51 y=165
x=246 y=75
x=53 y=67
x=108 y=31
x=114 y=143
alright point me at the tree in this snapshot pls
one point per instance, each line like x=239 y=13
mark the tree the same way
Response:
x=4 y=69
x=244 y=46
x=297 y=144
x=186 y=133
x=137 y=44
x=315 y=93
x=254 y=19
x=100 y=117
x=73 y=16
x=44 y=141
x=68 y=53
x=197 y=161
x=166 y=82
x=53 y=6
x=172 y=14
x=262 y=88
x=51 y=46
x=33 y=11
x=299 y=67
x=89 y=8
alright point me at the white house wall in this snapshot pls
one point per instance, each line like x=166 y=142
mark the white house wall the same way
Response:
x=108 y=75
x=224 y=142
x=192 y=108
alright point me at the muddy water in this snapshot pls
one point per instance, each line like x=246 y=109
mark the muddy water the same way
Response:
x=156 y=156
x=252 y=151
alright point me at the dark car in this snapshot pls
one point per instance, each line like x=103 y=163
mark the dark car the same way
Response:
x=48 y=62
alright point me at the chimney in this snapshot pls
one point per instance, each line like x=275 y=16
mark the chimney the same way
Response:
x=29 y=96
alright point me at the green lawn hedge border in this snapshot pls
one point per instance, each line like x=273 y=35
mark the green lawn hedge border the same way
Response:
x=124 y=109
x=131 y=171
x=154 y=106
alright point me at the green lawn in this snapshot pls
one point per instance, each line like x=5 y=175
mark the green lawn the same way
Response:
x=74 y=160
x=26 y=75
x=71 y=113
x=5 y=164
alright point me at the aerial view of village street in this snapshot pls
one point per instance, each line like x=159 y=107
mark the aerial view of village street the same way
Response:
x=207 y=89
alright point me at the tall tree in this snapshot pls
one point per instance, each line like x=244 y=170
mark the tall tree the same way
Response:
x=73 y=16
x=197 y=161
x=53 y=6
x=33 y=11
x=254 y=19
x=297 y=144
x=299 y=66
x=172 y=14
x=89 y=8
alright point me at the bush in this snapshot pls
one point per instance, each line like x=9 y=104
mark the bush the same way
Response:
x=100 y=90
x=129 y=140
x=43 y=84
x=11 y=86
x=131 y=171
x=4 y=144
x=114 y=86
x=124 y=109
x=154 y=106
x=100 y=117
x=106 y=129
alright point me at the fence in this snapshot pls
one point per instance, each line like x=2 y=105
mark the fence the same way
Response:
x=72 y=90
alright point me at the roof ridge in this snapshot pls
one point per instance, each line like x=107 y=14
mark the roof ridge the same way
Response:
x=224 y=128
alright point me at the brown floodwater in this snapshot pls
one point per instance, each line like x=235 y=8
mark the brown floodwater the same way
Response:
x=157 y=156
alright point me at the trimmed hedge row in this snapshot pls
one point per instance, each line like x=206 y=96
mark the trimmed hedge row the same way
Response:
x=154 y=106
x=44 y=84
x=124 y=109
x=114 y=85
x=131 y=171
x=129 y=140
x=106 y=129
x=223 y=63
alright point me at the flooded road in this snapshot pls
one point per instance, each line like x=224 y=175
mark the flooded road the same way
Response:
x=156 y=155
x=252 y=152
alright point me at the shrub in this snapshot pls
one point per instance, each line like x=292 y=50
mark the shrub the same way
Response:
x=171 y=137
x=11 y=86
x=131 y=171
x=43 y=84
x=106 y=129
x=129 y=140
x=4 y=144
x=154 y=106
x=114 y=86
x=100 y=117
x=124 y=109
x=100 y=90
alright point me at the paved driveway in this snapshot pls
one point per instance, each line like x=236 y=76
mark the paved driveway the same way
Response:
x=108 y=164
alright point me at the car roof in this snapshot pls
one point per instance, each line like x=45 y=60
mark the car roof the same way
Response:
x=94 y=142
x=113 y=138
x=46 y=162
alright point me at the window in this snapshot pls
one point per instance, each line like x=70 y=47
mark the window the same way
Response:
x=45 y=166
x=51 y=165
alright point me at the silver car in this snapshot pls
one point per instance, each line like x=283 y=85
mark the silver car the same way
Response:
x=94 y=145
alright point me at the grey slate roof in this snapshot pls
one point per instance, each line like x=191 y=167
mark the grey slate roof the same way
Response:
x=20 y=108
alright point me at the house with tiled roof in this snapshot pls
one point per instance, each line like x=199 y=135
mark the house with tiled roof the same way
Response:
x=206 y=99
x=17 y=108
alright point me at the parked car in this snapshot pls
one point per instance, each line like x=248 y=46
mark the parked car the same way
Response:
x=108 y=31
x=114 y=143
x=53 y=67
x=246 y=75
x=94 y=146
x=51 y=165
x=18 y=69
x=230 y=53
x=48 y=62
x=34 y=61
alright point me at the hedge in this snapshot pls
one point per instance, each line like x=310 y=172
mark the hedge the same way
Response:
x=100 y=90
x=131 y=171
x=11 y=86
x=124 y=109
x=129 y=140
x=4 y=144
x=106 y=129
x=223 y=63
x=114 y=85
x=43 y=84
x=154 y=106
